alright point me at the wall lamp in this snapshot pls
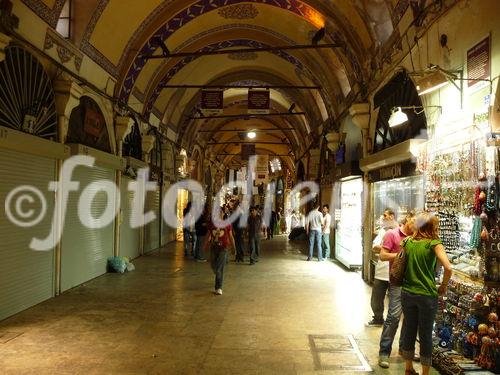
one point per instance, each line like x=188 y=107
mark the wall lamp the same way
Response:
x=398 y=117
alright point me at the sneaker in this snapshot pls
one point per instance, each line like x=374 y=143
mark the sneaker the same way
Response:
x=252 y=262
x=218 y=292
x=374 y=323
x=383 y=361
x=201 y=260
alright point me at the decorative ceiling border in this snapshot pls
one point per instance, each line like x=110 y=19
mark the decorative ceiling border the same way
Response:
x=92 y=52
x=399 y=10
x=47 y=14
x=188 y=14
x=216 y=46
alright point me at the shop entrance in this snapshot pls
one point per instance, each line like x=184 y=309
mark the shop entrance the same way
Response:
x=182 y=199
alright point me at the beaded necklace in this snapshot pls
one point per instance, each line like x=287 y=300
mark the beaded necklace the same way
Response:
x=475 y=236
x=491 y=197
x=477 y=201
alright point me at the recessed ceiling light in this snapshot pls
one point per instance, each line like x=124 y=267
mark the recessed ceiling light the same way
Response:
x=251 y=135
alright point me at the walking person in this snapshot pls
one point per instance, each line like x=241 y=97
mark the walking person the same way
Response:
x=419 y=295
x=391 y=246
x=219 y=240
x=254 y=229
x=325 y=228
x=381 y=279
x=238 y=229
x=272 y=225
x=313 y=230
x=188 y=230
x=201 y=230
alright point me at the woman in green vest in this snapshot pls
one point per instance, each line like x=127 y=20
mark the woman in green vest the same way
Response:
x=419 y=296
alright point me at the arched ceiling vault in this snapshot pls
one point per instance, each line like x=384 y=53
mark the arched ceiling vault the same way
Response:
x=119 y=35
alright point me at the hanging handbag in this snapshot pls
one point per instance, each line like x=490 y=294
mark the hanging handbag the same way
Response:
x=398 y=267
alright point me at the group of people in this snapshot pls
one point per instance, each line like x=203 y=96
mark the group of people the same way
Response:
x=318 y=225
x=202 y=236
x=417 y=297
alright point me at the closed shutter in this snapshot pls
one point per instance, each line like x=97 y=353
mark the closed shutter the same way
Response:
x=85 y=250
x=26 y=276
x=152 y=230
x=129 y=238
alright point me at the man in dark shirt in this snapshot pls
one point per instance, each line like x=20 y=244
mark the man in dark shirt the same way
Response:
x=254 y=228
x=238 y=234
x=201 y=228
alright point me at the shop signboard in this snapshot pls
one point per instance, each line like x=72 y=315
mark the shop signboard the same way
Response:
x=247 y=150
x=212 y=102
x=258 y=101
x=398 y=170
x=347 y=170
x=495 y=113
x=478 y=64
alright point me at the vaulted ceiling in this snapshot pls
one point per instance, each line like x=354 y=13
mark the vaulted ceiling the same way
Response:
x=120 y=35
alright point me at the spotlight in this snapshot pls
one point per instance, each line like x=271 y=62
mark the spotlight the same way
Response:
x=251 y=135
x=398 y=117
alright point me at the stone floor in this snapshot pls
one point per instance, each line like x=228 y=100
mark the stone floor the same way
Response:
x=281 y=316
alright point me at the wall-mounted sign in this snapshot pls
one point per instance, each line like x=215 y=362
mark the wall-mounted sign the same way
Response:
x=258 y=101
x=247 y=150
x=478 y=63
x=495 y=113
x=212 y=102
x=403 y=169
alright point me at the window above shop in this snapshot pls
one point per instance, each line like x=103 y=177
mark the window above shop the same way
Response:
x=64 y=23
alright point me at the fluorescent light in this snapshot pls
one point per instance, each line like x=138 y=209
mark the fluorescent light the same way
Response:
x=398 y=117
x=251 y=135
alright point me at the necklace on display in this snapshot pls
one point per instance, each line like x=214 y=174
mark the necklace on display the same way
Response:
x=491 y=197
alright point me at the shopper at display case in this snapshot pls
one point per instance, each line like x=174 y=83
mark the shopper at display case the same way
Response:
x=325 y=238
x=381 y=279
x=419 y=296
x=313 y=230
x=391 y=246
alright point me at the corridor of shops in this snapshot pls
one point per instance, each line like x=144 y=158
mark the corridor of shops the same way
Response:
x=169 y=170
x=163 y=319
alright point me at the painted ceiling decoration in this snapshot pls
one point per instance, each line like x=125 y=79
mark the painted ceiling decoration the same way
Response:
x=197 y=9
x=239 y=12
x=44 y=11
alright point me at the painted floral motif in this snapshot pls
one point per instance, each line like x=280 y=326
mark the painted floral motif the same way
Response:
x=243 y=56
x=239 y=12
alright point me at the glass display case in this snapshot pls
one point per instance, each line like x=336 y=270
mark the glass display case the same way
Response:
x=348 y=235
x=400 y=195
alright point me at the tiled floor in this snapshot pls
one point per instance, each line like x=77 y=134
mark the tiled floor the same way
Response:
x=164 y=319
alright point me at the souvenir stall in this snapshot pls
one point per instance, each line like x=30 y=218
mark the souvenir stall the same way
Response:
x=462 y=189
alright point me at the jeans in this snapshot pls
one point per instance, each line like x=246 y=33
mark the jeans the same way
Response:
x=254 y=248
x=379 y=290
x=198 y=248
x=391 y=323
x=420 y=312
x=187 y=240
x=315 y=236
x=238 y=241
x=218 y=260
x=326 y=244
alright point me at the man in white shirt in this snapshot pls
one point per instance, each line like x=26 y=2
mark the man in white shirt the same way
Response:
x=313 y=230
x=381 y=282
x=326 y=223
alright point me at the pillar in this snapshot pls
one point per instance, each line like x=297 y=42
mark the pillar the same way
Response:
x=67 y=98
x=123 y=126
x=360 y=114
x=4 y=42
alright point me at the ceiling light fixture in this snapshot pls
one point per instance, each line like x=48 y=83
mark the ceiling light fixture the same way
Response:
x=398 y=117
x=251 y=134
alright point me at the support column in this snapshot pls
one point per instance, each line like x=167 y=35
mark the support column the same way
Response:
x=123 y=126
x=67 y=98
x=4 y=42
x=148 y=142
x=360 y=113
